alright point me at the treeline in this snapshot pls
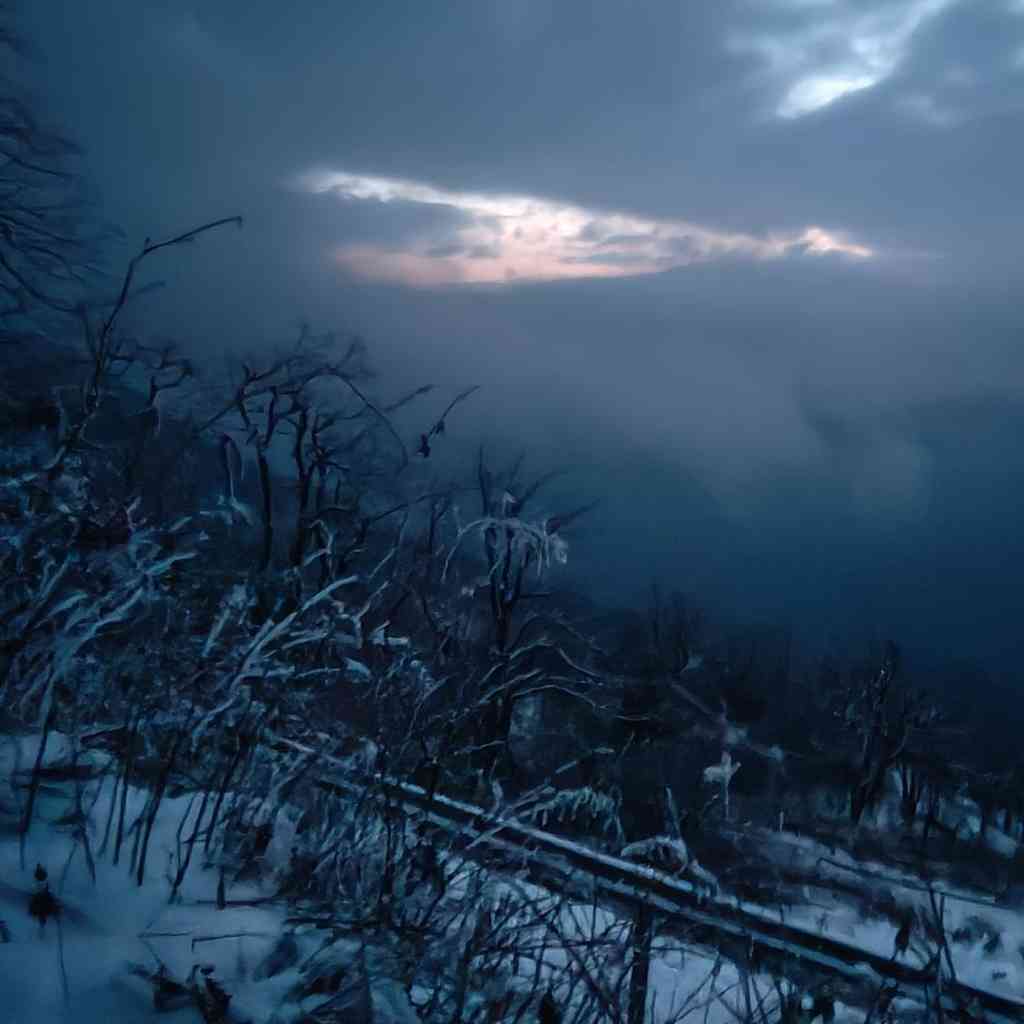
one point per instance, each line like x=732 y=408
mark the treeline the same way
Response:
x=152 y=510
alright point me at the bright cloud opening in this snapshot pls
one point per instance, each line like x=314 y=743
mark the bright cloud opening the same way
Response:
x=504 y=238
x=811 y=94
x=840 y=49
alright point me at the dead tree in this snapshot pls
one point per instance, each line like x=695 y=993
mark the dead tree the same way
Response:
x=883 y=732
x=308 y=402
x=521 y=658
x=49 y=238
x=110 y=353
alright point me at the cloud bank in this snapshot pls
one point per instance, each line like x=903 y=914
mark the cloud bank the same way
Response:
x=750 y=267
x=502 y=238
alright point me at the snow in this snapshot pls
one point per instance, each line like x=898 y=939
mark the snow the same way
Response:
x=837 y=918
x=111 y=923
x=992 y=971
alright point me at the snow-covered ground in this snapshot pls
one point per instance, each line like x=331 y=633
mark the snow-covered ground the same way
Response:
x=75 y=969
x=104 y=924
x=986 y=938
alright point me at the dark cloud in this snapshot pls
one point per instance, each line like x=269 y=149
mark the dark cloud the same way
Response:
x=830 y=439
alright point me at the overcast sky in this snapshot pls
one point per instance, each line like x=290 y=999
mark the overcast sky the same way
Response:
x=752 y=266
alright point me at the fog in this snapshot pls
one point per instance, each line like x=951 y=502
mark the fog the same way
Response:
x=749 y=271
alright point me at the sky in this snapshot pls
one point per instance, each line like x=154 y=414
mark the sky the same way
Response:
x=750 y=269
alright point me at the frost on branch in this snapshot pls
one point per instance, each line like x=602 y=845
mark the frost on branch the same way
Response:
x=586 y=806
x=516 y=543
x=660 y=850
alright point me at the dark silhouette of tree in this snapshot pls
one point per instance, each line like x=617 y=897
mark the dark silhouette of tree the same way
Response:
x=883 y=725
x=49 y=238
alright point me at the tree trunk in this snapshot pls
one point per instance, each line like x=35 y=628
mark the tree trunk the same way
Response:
x=268 y=511
x=33 y=791
x=643 y=934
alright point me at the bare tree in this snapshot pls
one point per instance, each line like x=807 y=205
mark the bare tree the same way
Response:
x=110 y=353
x=882 y=725
x=303 y=413
x=49 y=240
x=524 y=653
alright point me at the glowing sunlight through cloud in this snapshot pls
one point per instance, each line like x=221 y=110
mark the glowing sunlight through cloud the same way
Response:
x=505 y=238
x=843 y=49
